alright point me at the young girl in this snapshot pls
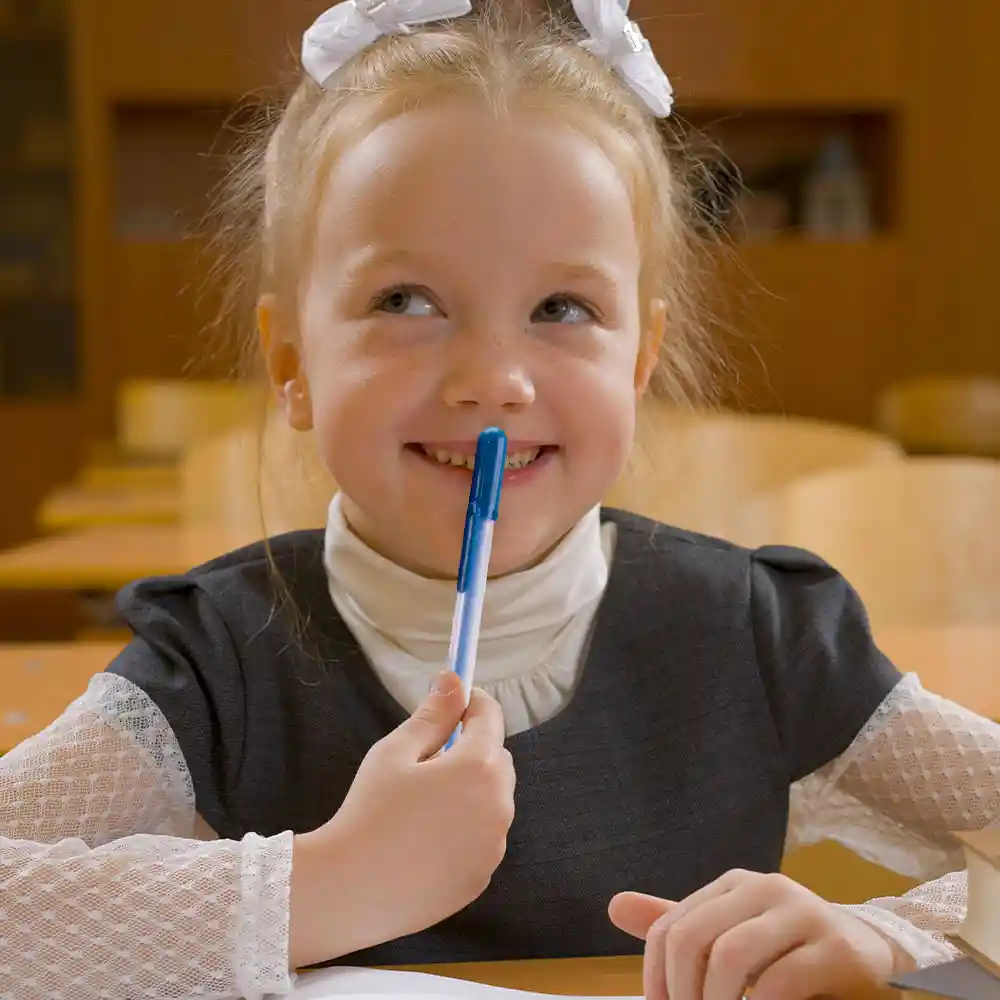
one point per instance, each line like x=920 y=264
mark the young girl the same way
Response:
x=467 y=223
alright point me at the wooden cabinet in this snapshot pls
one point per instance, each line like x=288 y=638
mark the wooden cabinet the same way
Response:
x=40 y=289
x=271 y=37
x=951 y=199
x=811 y=327
x=165 y=312
x=184 y=50
x=779 y=53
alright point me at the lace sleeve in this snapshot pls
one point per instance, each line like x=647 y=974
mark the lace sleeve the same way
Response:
x=103 y=893
x=922 y=768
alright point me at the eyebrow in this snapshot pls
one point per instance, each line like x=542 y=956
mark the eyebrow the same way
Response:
x=583 y=272
x=372 y=258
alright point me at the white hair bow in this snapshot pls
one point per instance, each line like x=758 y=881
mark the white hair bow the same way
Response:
x=619 y=40
x=349 y=27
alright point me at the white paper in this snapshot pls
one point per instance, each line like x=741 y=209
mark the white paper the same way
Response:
x=369 y=984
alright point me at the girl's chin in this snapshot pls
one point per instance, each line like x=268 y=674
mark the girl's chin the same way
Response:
x=522 y=539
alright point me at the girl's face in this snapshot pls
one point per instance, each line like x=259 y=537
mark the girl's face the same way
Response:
x=469 y=272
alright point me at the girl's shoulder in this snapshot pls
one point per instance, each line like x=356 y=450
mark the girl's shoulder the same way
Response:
x=785 y=613
x=210 y=644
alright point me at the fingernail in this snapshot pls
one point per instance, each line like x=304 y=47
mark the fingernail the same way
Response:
x=442 y=683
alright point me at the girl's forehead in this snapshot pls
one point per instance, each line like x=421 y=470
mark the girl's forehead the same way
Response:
x=460 y=174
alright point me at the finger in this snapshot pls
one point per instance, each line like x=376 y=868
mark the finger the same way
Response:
x=654 y=962
x=741 y=954
x=654 y=966
x=804 y=972
x=690 y=939
x=424 y=733
x=482 y=725
x=726 y=883
x=635 y=912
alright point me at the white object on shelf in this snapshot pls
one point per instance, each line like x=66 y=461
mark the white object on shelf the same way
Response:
x=837 y=203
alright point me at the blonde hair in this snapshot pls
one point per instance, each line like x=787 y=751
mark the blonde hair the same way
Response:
x=509 y=63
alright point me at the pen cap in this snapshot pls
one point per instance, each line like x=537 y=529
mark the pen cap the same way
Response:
x=487 y=475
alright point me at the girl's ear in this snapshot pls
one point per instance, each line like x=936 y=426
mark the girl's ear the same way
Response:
x=285 y=371
x=649 y=346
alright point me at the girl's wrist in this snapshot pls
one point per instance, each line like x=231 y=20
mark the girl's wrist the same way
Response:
x=332 y=893
x=311 y=924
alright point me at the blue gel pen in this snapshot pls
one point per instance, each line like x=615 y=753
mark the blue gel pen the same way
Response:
x=474 y=564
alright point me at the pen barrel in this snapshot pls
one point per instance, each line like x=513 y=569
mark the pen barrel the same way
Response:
x=469 y=606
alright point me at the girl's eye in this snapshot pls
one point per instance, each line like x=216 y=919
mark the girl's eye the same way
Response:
x=405 y=302
x=562 y=309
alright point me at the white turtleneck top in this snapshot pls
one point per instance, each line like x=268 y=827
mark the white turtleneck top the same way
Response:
x=101 y=846
x=535 y=623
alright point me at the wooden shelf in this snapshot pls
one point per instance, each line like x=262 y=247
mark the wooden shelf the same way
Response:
x=167 y=161
x=775 y=152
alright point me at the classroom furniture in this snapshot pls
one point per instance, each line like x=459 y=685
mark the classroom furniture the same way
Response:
x=106 y=557
x=105 y=467
x=943 y=415
x=235 y=488
x=960 y=662
x=257 y=480
x=617 y=976
x=699 y=471
x=39 y=682
x=918 y=539
x=82 y=507
x=138 y=479
x=112 y=487
x=159 y=419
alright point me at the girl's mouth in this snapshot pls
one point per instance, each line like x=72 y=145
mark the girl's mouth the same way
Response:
x=462 y=458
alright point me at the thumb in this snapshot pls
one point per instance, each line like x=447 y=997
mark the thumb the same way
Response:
x=424 y=733
x=635 y=913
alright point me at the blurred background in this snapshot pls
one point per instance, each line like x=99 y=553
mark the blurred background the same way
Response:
x=849 y=160
x=865 y=237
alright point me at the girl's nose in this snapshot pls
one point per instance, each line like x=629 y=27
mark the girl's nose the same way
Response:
x=493 y=379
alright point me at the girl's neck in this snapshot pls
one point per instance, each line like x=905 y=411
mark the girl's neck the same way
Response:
x=397 y=612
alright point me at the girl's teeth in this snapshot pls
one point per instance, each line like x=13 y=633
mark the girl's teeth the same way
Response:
x=522 y=458
x=518 y=460
x=449 y=458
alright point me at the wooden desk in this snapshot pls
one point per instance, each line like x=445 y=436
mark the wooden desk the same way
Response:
x=562 y=976
x=598 y=977
x=959 y=662
x=84 y=507
x=107 y=557
x=38 y=682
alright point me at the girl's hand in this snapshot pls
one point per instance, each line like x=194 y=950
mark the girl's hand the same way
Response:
x=418 y=836
x=748 y=929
